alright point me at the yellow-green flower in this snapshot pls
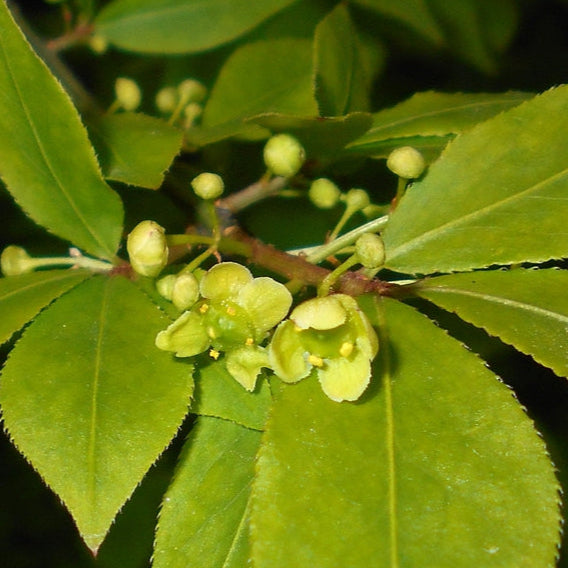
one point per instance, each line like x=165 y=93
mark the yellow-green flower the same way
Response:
x=334 y=337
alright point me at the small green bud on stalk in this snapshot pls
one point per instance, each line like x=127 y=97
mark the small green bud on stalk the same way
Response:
x=370 y=250
x=284 y=155
x=191 y=113
x=165 y=286
x=15 y=261
x=147 y=248
x=192 y=91
x=356 y=200
x=323 y=193
x=406 y=162
x=98 y=44
x=166 y=99
x=185 y=291
x=208 y=185
x=128 y=93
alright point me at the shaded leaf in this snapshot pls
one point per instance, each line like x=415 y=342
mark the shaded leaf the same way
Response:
x=90 y=401
x=415 y=14
x=320 y=136
x=432 y=116
x=218 y=394
x=497 y=195
x=135 y=148
x=46 y=159
x=22 y=297
x=425 y=470
x=340 y=79
x=264 y=76
x=181 y=26
x=204 y=516
x=525 y=308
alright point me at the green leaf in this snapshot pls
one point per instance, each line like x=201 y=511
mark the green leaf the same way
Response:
x=46 y=159
x=525 y=308
x=204 y=517
x=90 y=401
x=497 y=195
x=181 y=26
x=218 y=394
x=22 y=297
x=414 y=14
x=340 y=79
x=319 y=136
x=431 y=114
x=425 y=470
x=264 y=76
x=135 y=148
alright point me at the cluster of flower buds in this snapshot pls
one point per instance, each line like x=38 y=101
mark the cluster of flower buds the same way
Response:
x=186 y=99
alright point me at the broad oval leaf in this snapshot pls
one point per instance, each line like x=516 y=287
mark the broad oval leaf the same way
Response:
x=426 y=470
x=341 y=82
x=497 y=195
x=525 y=308
x=204 y=516
x=135 y=148
x=218 y=394
x=90 y=401
x=431 y=114
x=22 y=297
x=263 y=76
x=181 y=26
x=46 y=159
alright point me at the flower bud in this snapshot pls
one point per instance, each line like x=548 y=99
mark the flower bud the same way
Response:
x=406 y=162
x=127 y=93
x=208 y=186
x=323 y=193
x=284 y=155
x=185 y=291
x=15 y=260
x=370 y=250
x=166 y=100
x=165 y=286
x=147 y=248
x=357 y=199
x=192 y=91
x=191 y=113
x=98 y=44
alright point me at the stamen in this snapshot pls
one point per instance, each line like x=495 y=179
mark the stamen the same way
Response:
x=346 y=349
x=315 y=360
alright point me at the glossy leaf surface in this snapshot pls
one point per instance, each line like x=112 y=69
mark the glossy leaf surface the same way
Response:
x=218 y=394
x=46 y=159
x=425 y=470
x=135 y=148
x=497 y=195
x=525 y=308
x=181 y=26
x=264 y=76
x=22 y=297
x=431 y=114
x=204 y=517
x=340 y=79
x=90 y=401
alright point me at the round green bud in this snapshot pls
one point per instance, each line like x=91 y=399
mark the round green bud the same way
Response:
x=98 y=44
x=406 y=162
x=166 y=99
x=192 y=112
x=165 y=286
x=323 y=193
x=127 y=93
x=15 y=260
x=370 y=250
x=192 y=91
x=208 y=185
x=224 y=280
x=357 y=199
x=147 y=248
x=185 y=291
x=284 y=155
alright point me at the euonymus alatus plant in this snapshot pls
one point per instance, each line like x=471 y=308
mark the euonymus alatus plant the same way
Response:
x=329 y=420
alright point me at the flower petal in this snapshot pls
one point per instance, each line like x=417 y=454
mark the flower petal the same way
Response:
x=244 y=365
x=224 y=280
x=186 y=336
x=345 y=378
x=320 y=313
x=286 y=354
x=266 y=302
